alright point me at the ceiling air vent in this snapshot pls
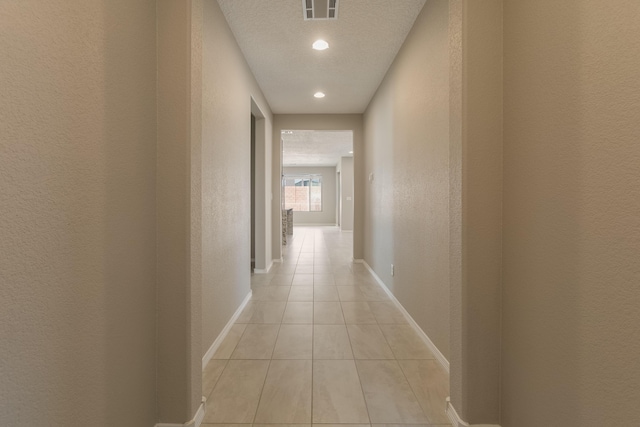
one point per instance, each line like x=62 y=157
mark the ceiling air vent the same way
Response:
x=319 y=9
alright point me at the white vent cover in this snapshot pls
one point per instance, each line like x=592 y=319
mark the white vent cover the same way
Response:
x=319 y=9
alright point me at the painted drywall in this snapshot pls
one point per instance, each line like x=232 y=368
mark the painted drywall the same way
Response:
x=456 y=18
x=228 y=87
x=179 y=389
x=328 y=214
x=407 y=153
x=571 y=225
x=77 y=213
x=475 y=208
x=262 y=189
x=351 y=122
x=194 y=302
x=346 y=193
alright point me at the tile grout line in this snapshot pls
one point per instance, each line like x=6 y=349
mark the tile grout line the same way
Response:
x=239 y=339
x=355 y=364
x=313 y=327
x=395 y=358
x=307 y=237
x=215 y=383
x=413 y=391
x=266 y=376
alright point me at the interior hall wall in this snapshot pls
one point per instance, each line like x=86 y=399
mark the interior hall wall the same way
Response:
x=571 y=224
x=228 y=87
x=406 y=145
x=78 y=213
x=346 y=193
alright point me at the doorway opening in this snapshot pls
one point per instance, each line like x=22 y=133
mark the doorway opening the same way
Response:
x=317 y=178
x=260 y=193
x=253 y=192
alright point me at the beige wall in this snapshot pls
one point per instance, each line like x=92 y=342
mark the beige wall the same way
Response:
x=351 y=122
x=179 y=28
x=571 y=226
x=194 y=302
x=346 y=193
x=77 y=213
x=228 y=87
x=328 y=214
x=407 y=150
x=262 y=189
x=475 y=207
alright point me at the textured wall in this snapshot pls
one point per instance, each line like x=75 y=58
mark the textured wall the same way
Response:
x=481 y=209
x=407 y=150
x=571 y=226
x=77 y=213
x=476 y=207
x=262 y=187
x=328 y=214
x=228 y=87
x=194 y=301
x=456 y=393
x=347 y=179
x=178 y=288
x=351 y=122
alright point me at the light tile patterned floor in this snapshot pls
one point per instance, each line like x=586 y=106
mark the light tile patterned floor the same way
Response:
x=321 y=343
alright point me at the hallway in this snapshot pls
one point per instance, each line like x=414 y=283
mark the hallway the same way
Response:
x=495 y=168
x=321 y=342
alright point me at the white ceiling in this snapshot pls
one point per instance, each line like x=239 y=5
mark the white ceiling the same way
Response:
x=276 y=42
x=315 y=148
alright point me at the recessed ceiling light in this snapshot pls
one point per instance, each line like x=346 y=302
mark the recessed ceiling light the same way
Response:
x=350 y=152
x=320 y=45
x=319 y=95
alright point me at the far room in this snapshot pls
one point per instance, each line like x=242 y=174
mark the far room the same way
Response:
x=317 y=179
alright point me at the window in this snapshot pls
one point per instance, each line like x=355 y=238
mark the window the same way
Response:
x=303 y=193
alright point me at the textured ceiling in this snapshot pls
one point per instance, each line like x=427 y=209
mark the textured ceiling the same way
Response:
x=276 y=42
x=315 y=148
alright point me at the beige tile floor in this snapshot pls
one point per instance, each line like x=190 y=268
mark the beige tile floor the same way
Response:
x=321 y=343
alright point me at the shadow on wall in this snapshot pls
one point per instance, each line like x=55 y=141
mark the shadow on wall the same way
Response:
x=129 y=234
x=544 y=167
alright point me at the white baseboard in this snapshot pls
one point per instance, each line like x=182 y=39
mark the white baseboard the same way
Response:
x=263 y=271
x=216 y=344
x=281 y=259
x=196 y=421
x=456 y=421
x=314 y=224
x=439 y=356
